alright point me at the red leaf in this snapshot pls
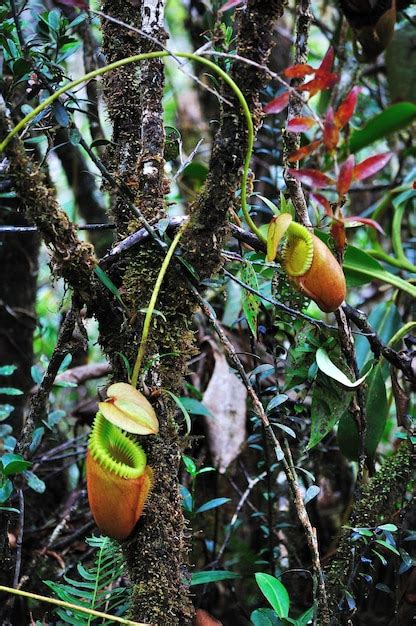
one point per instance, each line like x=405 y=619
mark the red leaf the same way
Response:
x=371 y=165
x=355 y=221
x=320 y=199
x=231 y=4
x=277 y=104
x=338 y=234
x=303 y=152
x=319 y=83
x=347 y=107
x=298 y=71
x=313 y=178
x=331 y=132
x=327 y=62
x=300 y=124
x=345 y=176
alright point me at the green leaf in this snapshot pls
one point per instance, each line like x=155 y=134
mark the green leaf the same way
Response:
x=306 y=617
x=329 y=403
x=388 y=546
x=107 y=282
x=196 y=407
x=392 y=528
x=7 y=370
x=212 y=504
x=10 y=391
x=180 y=405
x=360 y=268
x=376 y=411
x=34 y=482
x=386 y=321
x=13 y=464
x=251 y=302
x=311 y=493
x=275 y=592
x=330 y=369
x=189 y=465
x=391 y=120
x=5 y=410
x=203 y=578
x=6 y=490
x=265 y=617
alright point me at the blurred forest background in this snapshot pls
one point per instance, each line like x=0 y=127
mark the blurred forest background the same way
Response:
x=283 y=469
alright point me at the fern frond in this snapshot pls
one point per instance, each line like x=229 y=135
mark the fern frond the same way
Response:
x=96 y=587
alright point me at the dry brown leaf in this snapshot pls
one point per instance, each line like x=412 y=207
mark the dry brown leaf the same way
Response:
x=225 y=397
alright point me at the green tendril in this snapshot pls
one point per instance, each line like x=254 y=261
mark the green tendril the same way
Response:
x=114 y=450
x=297 y=252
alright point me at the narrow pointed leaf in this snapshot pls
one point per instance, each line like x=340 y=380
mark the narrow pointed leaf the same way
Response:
x=313 y=178
x=278 y=104
x=330 y=369
x=345 y=176
x=371 y=166
x=300 y=124
x=231 y=4
x=275 y=592
x=347 y=107
x=299 y=70
x=303 y=152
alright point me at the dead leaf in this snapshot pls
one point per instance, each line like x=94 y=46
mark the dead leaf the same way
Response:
x=225 y=397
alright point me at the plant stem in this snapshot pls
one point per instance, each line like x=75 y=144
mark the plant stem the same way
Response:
x=151 y=307
x=69 y=605
x=157 y=55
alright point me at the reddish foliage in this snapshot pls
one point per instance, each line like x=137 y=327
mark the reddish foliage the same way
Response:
x=347 y=107
x=313 y=178
x=319 y=83
x=277 y=104
x=366 y=221
x=300 y=124
x=318 y=197
x=345 y=176
x=331 y=132
x=231 y=4
x=303 y=152
x=300 y=70
x=371 y=165
x=327 y=61
x=338 y=235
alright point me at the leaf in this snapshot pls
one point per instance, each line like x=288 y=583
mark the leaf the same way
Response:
x=196 y=407
x=311 y=493
x=278 y=104
x=189 y=465
x=329 y=403
x=327 y=62
x=107 y=282
x=187 y=499
x=347 y=107
x=231 y=4
x=13 y=464
x=203 y=578
x=299 y=70
x=330 y=369
x=6 y=490
x=212 y=504
x=320 y=83
x=360 y=268
x=388 y=546
x=7 y=370
x=10 y=391
x=5 y=410
x=392 y=528
x=391 y=120
x=345 y=176
x=371 y=165
x=278 y=400
x=182 y=408
x=226 y=398
x=376 y=409
x=304 y=151
x=264 y=617
x=385 y=319
x=353 y=220
x=300 y=124
x=331 y=131
x=275 y=592
x=313 y=178
x=251 y=302
x=306 y=617
x=34 y=482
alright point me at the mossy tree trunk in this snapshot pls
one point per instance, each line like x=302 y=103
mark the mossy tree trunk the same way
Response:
x=156 y=554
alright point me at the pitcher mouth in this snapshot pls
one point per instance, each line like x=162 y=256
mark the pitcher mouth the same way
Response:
x=115 y=451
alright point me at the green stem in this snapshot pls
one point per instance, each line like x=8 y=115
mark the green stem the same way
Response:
x=396 y=237
x=158 y=55
x=403 y=264
x=402 y=332
x=151 y=307
x=69 y=605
